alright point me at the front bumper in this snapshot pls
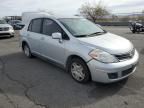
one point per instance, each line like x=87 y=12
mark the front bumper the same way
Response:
x=7 y=33
x=101 y=72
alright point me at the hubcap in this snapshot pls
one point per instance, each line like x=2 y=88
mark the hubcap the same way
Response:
x=26 y=51
x=77 y=71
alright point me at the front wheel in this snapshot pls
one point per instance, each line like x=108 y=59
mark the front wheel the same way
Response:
x=79 y=70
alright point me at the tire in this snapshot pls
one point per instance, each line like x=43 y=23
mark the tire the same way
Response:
x=133 y=31
x=78 y=66
x=27 y=51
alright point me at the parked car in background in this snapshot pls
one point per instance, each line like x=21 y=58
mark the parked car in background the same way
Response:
x=136 y=27
x=17 y=25
x=6 y=30
x=84 y=49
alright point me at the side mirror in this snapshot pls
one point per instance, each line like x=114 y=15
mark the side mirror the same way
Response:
x=20 y=25
x=57 y=35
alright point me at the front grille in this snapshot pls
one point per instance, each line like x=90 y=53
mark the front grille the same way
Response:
x=4 y=29
x=128 y=71
x=4 y=34
x=125 y=56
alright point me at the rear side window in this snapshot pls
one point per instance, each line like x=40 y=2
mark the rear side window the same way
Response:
x=49 y=27
x=35 y=26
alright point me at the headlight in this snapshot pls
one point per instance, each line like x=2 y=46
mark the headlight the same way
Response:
x=102 y=56
x=10 y=28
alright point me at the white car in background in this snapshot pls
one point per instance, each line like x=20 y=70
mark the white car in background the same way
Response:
x=6 y=30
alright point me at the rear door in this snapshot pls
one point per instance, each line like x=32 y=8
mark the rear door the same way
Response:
x=34 y=35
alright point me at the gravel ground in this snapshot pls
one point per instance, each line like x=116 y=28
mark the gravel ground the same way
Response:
x=34 y=83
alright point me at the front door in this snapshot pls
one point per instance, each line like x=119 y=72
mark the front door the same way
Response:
x=52 y=48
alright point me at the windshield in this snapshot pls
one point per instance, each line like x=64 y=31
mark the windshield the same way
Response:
x=80 y=27
x=2 y=22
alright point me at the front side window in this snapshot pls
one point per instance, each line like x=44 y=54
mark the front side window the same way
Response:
x=80 y=27
x=35 y=25
x=49 y=27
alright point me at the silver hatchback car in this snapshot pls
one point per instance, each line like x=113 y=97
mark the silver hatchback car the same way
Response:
x=83 y=48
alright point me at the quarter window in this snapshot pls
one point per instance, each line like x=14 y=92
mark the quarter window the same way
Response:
x=35 y=25
x=30 y=27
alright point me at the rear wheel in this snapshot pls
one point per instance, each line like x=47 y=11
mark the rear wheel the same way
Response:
x=79 y=70
x=27 y=51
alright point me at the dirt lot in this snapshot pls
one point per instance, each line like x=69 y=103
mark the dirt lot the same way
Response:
x=34 y=83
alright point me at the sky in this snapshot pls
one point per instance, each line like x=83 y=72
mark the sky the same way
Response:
x=16 y=7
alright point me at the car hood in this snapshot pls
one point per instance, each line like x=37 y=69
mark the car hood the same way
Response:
x=5 y=25
x=108 y=42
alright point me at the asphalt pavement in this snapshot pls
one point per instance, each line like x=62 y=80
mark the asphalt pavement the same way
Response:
x=35 y=83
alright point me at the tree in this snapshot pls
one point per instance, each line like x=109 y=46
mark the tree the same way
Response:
x=94 y=11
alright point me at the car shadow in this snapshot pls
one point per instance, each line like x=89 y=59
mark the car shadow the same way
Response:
x=50 y=85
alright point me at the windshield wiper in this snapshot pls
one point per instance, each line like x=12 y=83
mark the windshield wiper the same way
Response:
x=80 y=35
x=92 y=34
x=96 y=33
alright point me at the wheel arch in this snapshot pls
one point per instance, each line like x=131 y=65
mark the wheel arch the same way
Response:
x=24 y=43
x=76 y=56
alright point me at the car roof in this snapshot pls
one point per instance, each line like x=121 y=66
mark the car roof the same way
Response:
x=50 y=15
x=28 y=16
